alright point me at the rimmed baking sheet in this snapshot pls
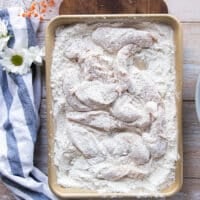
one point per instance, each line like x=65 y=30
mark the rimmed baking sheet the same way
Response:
x=50 y=36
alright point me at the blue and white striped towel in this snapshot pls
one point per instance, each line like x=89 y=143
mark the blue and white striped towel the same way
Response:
x=19 y=121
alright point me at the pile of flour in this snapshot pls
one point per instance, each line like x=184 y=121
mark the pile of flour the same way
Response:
x=113 y=88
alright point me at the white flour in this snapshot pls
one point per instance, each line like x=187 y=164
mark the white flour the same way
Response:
x=114 y=107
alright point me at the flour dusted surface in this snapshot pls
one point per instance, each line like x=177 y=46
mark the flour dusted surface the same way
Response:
x=113 y=88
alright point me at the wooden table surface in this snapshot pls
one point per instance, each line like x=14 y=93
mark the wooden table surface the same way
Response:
x=188 y=12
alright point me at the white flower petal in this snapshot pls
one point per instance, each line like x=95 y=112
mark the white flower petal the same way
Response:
x=3 y=42
x=3 y=28
x=9 y=52
x=3 y=35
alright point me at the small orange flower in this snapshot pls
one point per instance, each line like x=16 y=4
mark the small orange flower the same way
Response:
x=33 y=5
x=38 y=9
x=35 y=15
x=41 y=18
x=51 y=3
x=28 y=14
x=43 y=10
x=43 y=3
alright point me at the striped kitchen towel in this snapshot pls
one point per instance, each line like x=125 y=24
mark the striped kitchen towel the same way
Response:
x=19 y=121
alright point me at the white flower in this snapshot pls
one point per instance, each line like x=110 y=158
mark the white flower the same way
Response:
x=19 y=61
x=4 y=37
x=36 y=54
x=16 y=60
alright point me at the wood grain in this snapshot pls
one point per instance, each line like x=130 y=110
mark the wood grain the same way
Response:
x=112 y=6
x=190 y=190
x=185 y=10
x=191 y=141
x=5 y=194
x=191 y=127
x=191 y=41
x=190 y=75
x=189 y=13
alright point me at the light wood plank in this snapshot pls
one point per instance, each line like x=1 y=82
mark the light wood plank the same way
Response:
x=191 y=144
x=5 y=194
x=190 y=190
x=9 y=3
x=41 y=150
x=184 y=10
x=191 y=42
x=190 y=75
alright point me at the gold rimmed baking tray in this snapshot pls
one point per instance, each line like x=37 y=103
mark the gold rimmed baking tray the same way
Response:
x=49 y=44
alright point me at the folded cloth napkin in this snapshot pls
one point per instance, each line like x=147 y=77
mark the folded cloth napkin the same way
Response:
x=19 y=121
